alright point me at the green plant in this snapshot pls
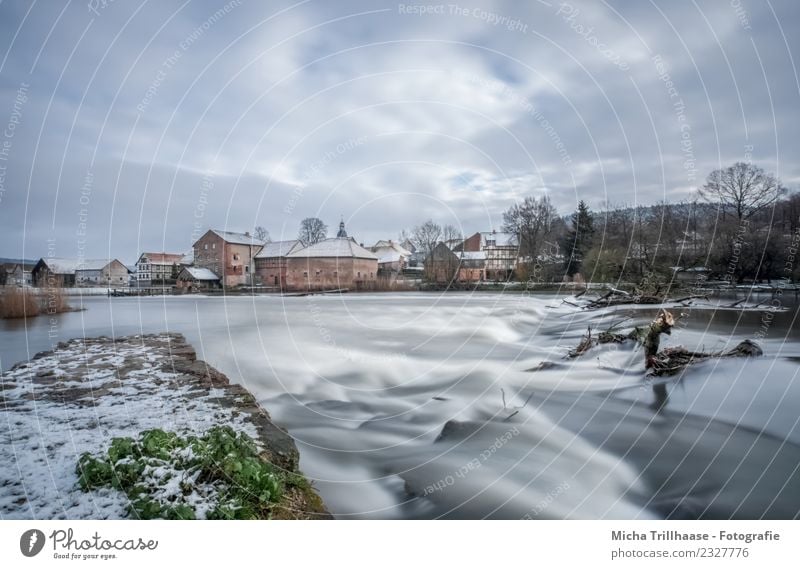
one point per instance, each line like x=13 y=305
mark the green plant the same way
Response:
x=166 y=476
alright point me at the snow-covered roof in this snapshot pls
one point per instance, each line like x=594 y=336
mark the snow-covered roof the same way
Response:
x=238 y=238
x=201 y=274
x=500 y=239
x=278 y=249
x=188 y=258
x=161 y=258
x=473 y=255
x=389 y=249
x=334 y=247
x=61 y=266
x=388 y=256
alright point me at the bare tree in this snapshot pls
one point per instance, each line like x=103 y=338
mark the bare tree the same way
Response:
x=261 y=233
x=532 y=222
x=744 y=189
x=451 y=235
x=426 y=236
x=312 y=230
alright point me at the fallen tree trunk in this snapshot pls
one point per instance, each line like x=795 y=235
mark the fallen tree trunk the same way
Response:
x=660 y=362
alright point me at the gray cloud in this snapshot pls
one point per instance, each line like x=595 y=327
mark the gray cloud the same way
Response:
x=264 y=114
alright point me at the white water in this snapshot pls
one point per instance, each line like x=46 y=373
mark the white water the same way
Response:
x=366 y=383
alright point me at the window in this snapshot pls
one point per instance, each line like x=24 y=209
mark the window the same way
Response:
x=236 y=256
x=205 y=246
x=213 y=245
x=305 y=273
x=318 y=272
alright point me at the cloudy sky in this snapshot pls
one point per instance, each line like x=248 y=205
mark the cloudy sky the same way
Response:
x=132 y=126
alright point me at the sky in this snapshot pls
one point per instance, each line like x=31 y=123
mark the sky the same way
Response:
x=135 y=126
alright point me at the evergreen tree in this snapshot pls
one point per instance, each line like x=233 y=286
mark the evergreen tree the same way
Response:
x=578 y=239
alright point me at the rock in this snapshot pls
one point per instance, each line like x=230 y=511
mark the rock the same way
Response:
x=457 y=430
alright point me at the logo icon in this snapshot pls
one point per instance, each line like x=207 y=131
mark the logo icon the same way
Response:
x=31 y=542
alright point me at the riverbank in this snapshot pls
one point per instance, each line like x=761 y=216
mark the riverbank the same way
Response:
x=81 y=396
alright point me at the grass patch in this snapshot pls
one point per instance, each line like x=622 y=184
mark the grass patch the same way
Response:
x=218 y=475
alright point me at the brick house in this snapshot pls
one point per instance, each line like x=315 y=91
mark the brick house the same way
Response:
x=228 y=255
x=471 y=243
x=271 y=263
x=334 y=263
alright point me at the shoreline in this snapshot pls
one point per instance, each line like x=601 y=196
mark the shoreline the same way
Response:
x=80 y=396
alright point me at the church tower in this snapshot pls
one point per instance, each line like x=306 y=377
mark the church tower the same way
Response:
x=342 y=232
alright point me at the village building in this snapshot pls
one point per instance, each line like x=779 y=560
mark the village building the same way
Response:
x=157 y=269
x=196 y=279
x=392 y=258
x=473 y=266
x=101 y=272
x=271 y=264
x=57 y=272
x=17 y=273
x=54 y=272
x=502 y=254
x=335 y=263
x=471 y=243
x=229 y=255
x=445 y=266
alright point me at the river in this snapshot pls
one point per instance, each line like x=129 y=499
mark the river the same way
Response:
x=367 y=382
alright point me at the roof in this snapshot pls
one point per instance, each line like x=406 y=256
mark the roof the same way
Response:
x=188 y=258
x=384 y=248
x=162 y=258
x=278 y=249
x=200 y=274
x=11 y=267
x=24 y=262
x=60 y=266
x=334 y=247
x=500 y=239
x=388 y=256
x=238 y=238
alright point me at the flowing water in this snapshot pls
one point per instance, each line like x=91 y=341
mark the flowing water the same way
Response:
x=424 y=406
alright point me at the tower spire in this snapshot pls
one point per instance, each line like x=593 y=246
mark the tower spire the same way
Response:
x=342 y=232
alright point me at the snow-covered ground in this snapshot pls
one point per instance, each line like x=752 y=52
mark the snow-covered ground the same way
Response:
x=80 y=396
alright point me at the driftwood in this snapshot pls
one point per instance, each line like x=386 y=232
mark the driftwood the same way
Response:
x=660 y=362
x=672 y=360
x=586 y=344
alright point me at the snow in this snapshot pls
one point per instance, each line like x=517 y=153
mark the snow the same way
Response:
x=201 y=274
x=334 y=247
x=77 y=399
x=239 y=238
x=278 y=249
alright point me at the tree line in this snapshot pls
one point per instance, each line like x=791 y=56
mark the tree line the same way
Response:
x=742 y=226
